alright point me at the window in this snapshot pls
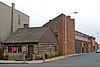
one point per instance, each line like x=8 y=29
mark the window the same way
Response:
x=14 y=49
x=56 y=34
x=56 y=22
x=18 y=19
x=19 y=49
x=10 y=49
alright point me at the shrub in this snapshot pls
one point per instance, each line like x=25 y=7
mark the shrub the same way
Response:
x=5 y=56
x=38 y=57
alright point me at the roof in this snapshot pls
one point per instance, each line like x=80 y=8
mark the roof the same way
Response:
x=54 y=18
x=82 y=38
x=26 y=35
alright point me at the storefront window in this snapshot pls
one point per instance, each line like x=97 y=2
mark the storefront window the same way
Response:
x=14 y=49
x=10 y=49
x=19 y=49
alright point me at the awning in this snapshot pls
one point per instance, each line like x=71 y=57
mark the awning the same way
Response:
x=82 y=38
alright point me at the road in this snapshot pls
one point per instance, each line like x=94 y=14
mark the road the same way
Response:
x=84 y=60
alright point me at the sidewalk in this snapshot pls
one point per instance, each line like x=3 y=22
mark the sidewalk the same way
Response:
x=36 y=61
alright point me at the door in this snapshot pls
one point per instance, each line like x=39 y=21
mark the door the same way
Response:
x=78 y=46
x=30 y=51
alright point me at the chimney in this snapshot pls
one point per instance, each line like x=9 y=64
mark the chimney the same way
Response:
x=68 y=17
x=13 y=5
x=26 y=26
x=12 y=17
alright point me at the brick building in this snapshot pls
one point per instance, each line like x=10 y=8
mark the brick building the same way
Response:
x=64 y=29
x=85 y=43
x=58 y=26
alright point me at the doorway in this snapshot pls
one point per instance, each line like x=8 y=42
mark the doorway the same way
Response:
x=30 y=51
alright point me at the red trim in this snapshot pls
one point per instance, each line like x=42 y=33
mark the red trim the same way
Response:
x=82 y=38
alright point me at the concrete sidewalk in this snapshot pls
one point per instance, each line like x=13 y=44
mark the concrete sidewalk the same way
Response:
x=36 y=61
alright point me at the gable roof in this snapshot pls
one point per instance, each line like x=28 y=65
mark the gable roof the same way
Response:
x=54 y=19
x=26 y=35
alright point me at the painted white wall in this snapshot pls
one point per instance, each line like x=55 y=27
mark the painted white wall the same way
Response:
x=5 y=21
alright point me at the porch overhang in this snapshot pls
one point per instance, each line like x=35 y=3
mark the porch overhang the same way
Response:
x=21 y=43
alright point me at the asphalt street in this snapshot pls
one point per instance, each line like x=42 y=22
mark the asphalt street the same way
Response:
x=84 y=60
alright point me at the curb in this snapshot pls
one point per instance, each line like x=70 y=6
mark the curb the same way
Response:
x=60 y=58
x=53 y=60
x=39 y=62
x=13 y=63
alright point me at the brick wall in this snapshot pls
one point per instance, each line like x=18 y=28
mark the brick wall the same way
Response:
x=58 y=25
x=71 y=36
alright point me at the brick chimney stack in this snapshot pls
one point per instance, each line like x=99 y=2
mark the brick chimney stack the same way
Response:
x=26 y=26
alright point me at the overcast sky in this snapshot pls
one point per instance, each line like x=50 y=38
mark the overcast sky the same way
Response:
x=41 y=11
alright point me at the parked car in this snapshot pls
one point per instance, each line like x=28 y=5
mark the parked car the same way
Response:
x=98 y=51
